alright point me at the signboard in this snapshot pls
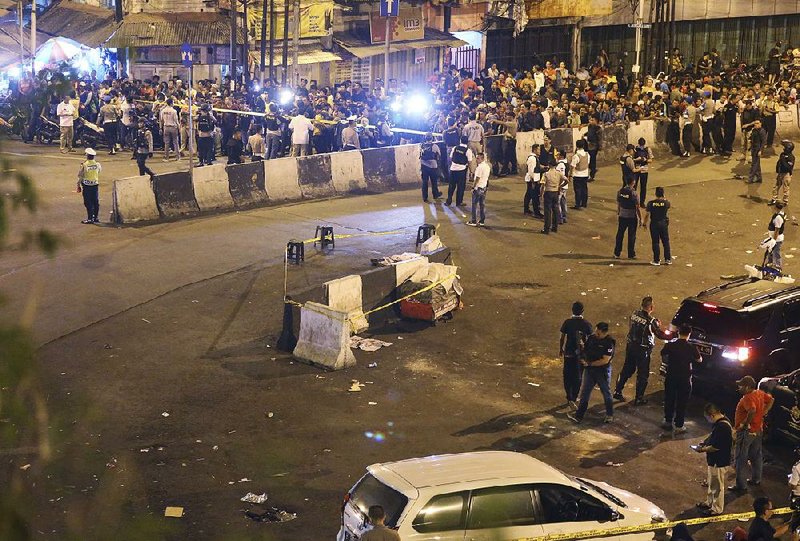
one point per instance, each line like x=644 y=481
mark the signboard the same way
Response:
x=390 y=8
x=640 y=25
x=186 y=55
x=419 y=56
x=358 y=70
x=553 y=9
x=408 y=25
x=316 y=18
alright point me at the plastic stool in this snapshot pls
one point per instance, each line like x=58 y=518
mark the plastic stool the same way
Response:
x=425 y=232
x=324 y=235
x=295 y=251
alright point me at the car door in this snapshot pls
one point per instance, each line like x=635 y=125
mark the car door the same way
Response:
x=564 y=509
x=443 y=518
x=790 y=334
x=502 y=514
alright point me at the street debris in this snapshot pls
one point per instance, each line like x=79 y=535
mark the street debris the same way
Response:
x=533 y=384
x=516 y=395
x=367 y=344
x=355 y=386
x=254 y=498
x=372 y=403
x=273 y=514
x=165 y=414
x=108 y=346
x=25 y=467
x=244 y=480
x=175 y=512
x=372 y=365
x=146 y=320
x=270 y=415
x=614 y=464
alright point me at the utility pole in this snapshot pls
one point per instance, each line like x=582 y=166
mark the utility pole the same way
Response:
x=271 y=39
x=638 y=21
x=234 y=41
x=122 y=53
x=246 y=47
x=386 y=74
x=263 y=63
x=296 y=45
x=21 y=36
x=33 y=37
x=285 y=41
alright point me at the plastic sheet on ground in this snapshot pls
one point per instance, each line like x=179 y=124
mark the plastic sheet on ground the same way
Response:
x=367 y=344
x=273 y=514
x=431 y=274
x=391 y=259
x=431 y=245
x=254 y=498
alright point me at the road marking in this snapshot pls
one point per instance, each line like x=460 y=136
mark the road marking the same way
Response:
x=43 y=156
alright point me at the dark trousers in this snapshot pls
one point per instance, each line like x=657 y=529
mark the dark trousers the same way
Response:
x=629 y=225
x=659 y=234
x=430 y=175
x=592 y=163
x=728 y=138
x=600 y=376
x=707 y=142
x=637 y=359
x=537 y=195
x=91 y=200
x=205 y=150
x=110 y=131
x=676 y=396
x=687 y=137
x=141 y=161
x=769 y=126
x=641 y=180
x=675 y=147
x=573 y=371
x=510 y=156
x=551 y=211
x=529 y=191
x=755 y=168
x=457 y=185
x=581 y=186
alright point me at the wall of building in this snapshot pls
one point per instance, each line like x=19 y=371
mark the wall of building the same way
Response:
x=175 y=6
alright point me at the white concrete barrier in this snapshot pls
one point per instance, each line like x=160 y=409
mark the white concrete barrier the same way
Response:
x=324 y=337
x=642 y=128
x=525 y=140
x=345 y=295
x=347 y=171
x=211 y=188
x=407 y=164
x=280 y=179
x=788 y=123
x=134 y=200
x=405 y=269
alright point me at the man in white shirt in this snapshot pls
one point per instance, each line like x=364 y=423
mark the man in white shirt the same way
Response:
x=579 y=168
x=66 y=117
x=301 y=128
x=170 y=128
x=532 y=179
x=776 y=226
x=479 y=187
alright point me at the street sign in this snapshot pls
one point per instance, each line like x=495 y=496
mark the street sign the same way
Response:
x=640 y=25
x=390 y=8
x=186 y=55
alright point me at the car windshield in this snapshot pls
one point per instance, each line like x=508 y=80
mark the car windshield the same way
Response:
x=592 y=487
x=718 y=322
x=370 y=491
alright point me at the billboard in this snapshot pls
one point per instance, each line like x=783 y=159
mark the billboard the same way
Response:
x=554 y=9
x=316 y=18
x=409 y=25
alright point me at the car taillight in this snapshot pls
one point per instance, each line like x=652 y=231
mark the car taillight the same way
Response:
x=740 y=354
x=743 y=353
x=713 y=308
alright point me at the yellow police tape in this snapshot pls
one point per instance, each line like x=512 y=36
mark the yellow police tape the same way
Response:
x=621 y=530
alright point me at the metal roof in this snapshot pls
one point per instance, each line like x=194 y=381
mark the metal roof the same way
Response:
x=308 y=54
x=173 y=29
x=88 y=25
x=361 y=48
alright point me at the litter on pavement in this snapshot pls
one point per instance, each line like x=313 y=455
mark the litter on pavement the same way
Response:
x=367 y=344
x=175 y=512
x=254 y=498
x=355 y=386
x=273 y=514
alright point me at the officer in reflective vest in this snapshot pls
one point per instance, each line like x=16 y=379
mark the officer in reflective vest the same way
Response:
x=644 y=329
x=88 y=184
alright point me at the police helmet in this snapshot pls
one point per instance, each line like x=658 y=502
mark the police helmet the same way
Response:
x=788 y=145
x=90 y=152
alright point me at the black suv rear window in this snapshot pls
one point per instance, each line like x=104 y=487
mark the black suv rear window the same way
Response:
x=370 y=491
x=721 y=323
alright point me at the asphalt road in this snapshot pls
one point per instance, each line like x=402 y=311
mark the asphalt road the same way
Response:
x=181 y=319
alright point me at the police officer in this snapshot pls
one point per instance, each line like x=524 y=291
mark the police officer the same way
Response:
x=429 y=162
x=598 y=353
x=678 y=356
x=659 y=226
x=642 y=156
x=758 y=139
x=776 y=225
x=594 y=136
x=460 y=158
x=533 y=183
x=205 y=135
x=628 y=164
x=641 y=338
x=574 y=333
x=628 y=217
x=88 y=184
x=784 y=168
x=143 y=147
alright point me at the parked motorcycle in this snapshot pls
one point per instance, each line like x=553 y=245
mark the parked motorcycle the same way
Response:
x=47 y=131
x=88 y=134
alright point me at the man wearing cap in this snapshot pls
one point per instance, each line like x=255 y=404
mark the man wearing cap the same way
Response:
x=108 y=118
x=749 y=432
x=205 y=135
x=88 y=184
x=784 y=169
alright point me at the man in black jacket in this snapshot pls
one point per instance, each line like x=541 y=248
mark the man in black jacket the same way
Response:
x=784 y=169
x=593 y=140
x=717 y=447
x=678 y=356
x=758 y=139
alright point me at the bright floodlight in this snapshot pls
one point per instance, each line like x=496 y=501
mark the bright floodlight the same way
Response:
x=418 y=104
x=286 y=96
x=396 y=105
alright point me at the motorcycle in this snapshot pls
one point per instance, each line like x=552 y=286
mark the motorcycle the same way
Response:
x=12 y=121
x=88 y=134
x=47 y=131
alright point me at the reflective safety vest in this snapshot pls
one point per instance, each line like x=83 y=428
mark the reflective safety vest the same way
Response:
x=91 y=173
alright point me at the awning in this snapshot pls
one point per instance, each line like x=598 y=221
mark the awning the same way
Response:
x=307 y=55
x=173 y=29
x=363 y=49
x=9 y=42
x=88 y=25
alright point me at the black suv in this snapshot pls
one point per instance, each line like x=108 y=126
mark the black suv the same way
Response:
x=744 y=327
x=783 y=420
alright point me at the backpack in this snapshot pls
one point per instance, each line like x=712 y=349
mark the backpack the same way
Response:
x=427 y=152
x=460 y=155
x=205 y=124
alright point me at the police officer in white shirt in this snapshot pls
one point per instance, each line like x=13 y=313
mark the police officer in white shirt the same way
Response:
x=532 y=180
x=579 y=171
x=776 y=226
x=66 y=115
x=479 y=187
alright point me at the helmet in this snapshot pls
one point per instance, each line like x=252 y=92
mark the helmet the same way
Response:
x=90 y=152
x=788 y=145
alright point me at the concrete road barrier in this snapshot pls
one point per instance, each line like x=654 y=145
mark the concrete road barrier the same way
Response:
x=247 y=184
x=315 y=176
x=281 y=178
x=345 y=295
x=379 y=168
x=211 y=188
x=407 y=164
x=175 y=194
x=347 y=172
x=642 y=128
x=403 y=270
x=324 y=337
x=134 y=200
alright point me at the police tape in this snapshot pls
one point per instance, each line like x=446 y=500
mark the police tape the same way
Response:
x=355 y=235
x=656 y=526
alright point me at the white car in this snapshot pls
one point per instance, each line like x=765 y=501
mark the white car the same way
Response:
x=489 y=496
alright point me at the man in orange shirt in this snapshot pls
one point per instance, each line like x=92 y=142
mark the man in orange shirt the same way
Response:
x=749 y=429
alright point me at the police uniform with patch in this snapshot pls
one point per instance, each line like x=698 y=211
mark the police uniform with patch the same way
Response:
x=89 y=185
x=657 y=210
x=641 y=338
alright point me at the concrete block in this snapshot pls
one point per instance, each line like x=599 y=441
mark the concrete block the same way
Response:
x=642 y=128
x=134 y=200
x=211 y=187
x=347 y=172
x=379 y=169
x=345 y=294
x=314 y=175
x=247 y=184
x=175 y=194
x=281 y=179
x=405 y=269
x=562 y=139
x=324 y=337
x=407 y=164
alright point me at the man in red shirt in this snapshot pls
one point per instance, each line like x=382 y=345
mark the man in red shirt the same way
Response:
x=749 y=429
